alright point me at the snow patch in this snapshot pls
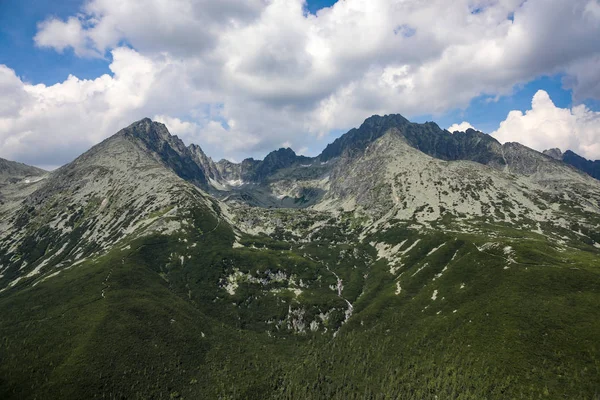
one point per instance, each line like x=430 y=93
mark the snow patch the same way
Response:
x=420 y=269
x=235 y=182
x=398 y=288
x=13 y=283
x=412 y=246
x=441 y=273
x=436 y=249
x=216 y=185
x=103 y=204
x=38 y=268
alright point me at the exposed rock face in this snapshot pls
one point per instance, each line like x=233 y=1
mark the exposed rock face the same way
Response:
x=554 y=153
x=428 y=138
x=229 y=175
x=130 y=184
x=393 y=179
x=357 y=140
x=206 y=163
x=17 y=181
x=476 y=146
x=234 y=172
x=388 y=168
x=591 y=168
x=169 y=149
x=12 y=172
x=285 y=175
x=525 y=161
x=275 y=161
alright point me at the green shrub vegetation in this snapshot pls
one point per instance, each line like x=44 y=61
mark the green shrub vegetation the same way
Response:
x=506 y=316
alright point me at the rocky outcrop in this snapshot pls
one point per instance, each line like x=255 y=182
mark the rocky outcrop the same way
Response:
x=11 y=171
x=357 y=140
x=554 y=153
x=573 y=159
x=207 y=164
x=256 y=171
x=525 y=161
x=169 y=149
x=428 y=138
x=133 y=183
x=590 y=167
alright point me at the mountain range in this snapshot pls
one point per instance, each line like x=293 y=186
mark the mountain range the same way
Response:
x=404 y=261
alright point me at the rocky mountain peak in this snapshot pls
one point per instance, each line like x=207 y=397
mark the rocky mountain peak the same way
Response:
x=152 y=132
x=590 y=167
x=274 y=161
x=196 y=149
x=554 y=153
x=379 y=123
x=169 y=148
x=428 y=137
x=357 y=140
x=209 y=167
x=199 y=154
x=282 y=154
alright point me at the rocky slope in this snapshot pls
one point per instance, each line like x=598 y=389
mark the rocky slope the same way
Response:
x=12 y=172
x=404 y=262
x=226 y=175
x=392 y=180
x=384 y=171
x=590 y=167
x=17 y=181
x=293 y=181
x=428 y=138
x=131 y=184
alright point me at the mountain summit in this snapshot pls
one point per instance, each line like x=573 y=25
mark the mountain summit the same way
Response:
x=169 y=149
x=405 y=261
x=591 y=168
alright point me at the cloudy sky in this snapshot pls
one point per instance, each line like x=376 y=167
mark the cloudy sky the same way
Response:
x=243 y=77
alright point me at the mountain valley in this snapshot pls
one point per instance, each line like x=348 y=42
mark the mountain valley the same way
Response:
x=404 y=261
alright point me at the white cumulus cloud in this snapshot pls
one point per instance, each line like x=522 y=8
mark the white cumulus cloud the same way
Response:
x=250 y=75
x=50 y=125
x=462 y=127
x=61 y=35
x=546 y=126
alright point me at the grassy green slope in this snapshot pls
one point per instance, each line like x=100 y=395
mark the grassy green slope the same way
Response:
x=517 y=333
x=519 y=324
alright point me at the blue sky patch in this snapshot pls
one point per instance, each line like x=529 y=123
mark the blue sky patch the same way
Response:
x=292 y=115
x=315 y=5
x=18 y=26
